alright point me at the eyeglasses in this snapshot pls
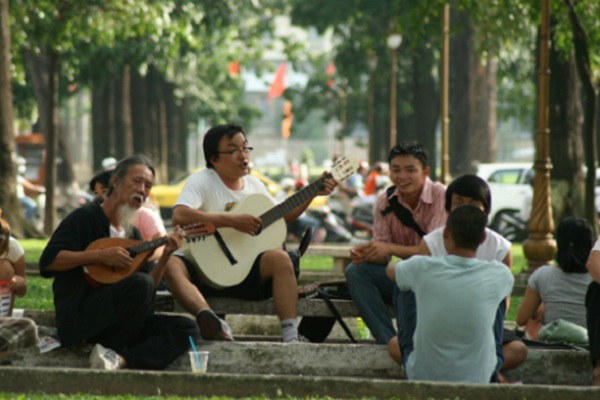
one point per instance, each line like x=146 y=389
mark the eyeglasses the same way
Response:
x=241 y=150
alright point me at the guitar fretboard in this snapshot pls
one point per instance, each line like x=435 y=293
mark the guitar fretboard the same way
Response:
x=292 y=202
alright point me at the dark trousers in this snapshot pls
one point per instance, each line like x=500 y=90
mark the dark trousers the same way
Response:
x=592 y=305
x=145 y=340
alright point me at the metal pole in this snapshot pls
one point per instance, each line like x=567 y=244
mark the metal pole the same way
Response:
x=540 y=247
x=393 y=132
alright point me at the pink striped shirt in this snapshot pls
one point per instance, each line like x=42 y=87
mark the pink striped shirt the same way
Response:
x=429 y=214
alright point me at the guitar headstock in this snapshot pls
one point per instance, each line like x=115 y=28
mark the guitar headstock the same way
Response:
x=196 y=231
x=344 y=167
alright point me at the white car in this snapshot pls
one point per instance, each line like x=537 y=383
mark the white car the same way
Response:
x=512 y=191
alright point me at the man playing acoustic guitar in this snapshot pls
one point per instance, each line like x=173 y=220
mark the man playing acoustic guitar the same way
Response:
x=205 y=198
x=118 y=317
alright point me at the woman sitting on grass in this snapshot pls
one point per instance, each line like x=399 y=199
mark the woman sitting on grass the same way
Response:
x=558 y=291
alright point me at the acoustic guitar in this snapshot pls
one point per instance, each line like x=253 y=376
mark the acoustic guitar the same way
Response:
x=225 y=258
x=99 y=275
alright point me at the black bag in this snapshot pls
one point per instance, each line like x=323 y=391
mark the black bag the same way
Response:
x=402 y=213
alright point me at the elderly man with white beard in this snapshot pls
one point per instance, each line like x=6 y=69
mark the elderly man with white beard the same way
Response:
x=116 y=318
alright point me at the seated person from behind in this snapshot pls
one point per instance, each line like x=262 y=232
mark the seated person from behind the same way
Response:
x=12 y=260
x=470 y=189
x=458 y=295
x=117 y=318
x=558 y=291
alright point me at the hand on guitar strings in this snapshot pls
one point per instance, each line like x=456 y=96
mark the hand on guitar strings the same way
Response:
x=247 y=223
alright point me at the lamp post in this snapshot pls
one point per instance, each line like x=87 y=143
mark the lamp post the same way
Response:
x=393 y=42
x=372 y=63
x=540 y=247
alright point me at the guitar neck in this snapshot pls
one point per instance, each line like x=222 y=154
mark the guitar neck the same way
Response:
x=146 y=246
x=292 y=202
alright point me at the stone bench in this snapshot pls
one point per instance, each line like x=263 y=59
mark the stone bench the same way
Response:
x=226 y=306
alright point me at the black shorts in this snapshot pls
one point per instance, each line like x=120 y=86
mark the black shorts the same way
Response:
x=510 y=336
x=249 y=289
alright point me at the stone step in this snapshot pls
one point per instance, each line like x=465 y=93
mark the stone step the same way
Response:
x=546 y=367
x=74 y=381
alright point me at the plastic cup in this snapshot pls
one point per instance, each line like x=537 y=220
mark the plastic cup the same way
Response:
x=202 y=356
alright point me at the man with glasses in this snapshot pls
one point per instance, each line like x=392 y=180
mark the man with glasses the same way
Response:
x=204 y=197
x=417 y=196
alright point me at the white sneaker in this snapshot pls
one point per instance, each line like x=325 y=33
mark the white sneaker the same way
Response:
x=103 y=358
x=299 y=339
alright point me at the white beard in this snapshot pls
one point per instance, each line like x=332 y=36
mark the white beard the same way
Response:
x=125 y=216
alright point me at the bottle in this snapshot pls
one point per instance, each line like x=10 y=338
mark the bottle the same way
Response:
x=363 y=331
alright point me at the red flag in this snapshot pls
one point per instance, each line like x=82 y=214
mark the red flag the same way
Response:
x=330 y=71
x=234 y=68
x=278 y=86
x=288 y=117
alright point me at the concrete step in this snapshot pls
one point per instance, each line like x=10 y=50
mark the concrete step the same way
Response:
x=334 y=358
x=74 y=381
x=546 y=367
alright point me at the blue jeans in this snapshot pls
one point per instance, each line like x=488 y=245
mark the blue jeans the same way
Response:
x=406 y=318
x=371 y=289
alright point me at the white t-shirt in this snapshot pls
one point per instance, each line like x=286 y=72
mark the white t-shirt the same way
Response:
x=494 y=247
x=205 y=191
x=15 y=251
x=457 y=299
x=563 y=294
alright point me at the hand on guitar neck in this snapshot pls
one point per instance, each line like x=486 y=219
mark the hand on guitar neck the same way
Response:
x=122 y=257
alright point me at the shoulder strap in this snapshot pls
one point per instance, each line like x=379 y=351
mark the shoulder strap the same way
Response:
x=402 y=213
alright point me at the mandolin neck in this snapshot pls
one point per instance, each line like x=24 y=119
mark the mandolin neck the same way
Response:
x=146 y=246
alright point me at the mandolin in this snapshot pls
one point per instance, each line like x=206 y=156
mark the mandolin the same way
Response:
x=98 y=275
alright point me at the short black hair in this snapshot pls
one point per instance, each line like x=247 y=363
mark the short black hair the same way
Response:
x=472 y=186
x=102 y=177
x=415 y=149
x=210 y=145
x=123 y=166
x=574 y=239
x=467 y=226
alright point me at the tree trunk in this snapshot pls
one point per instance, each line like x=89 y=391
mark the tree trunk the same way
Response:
x=566 y=147
x=99 y=126
x=50 y=124
x=126 y=133
x=139 y=115
x=426 y=112
x=9 y=204
x=463 y=61
x=584 y=69
x=483 y=112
